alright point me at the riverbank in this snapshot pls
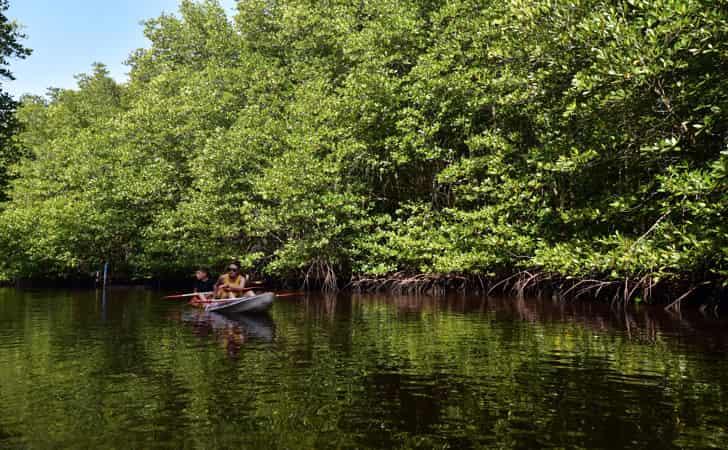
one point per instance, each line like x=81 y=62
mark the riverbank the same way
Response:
x=671 y=294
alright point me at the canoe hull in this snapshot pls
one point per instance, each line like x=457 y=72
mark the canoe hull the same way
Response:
x=258 y=304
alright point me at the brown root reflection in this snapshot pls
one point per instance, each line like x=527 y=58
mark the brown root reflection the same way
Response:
x=230 y=332
x=413 y=304
x=325 y=305
x=642 y=323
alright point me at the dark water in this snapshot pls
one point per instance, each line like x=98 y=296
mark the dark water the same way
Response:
x=363 y=372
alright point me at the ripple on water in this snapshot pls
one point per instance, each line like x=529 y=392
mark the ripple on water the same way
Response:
x=10 y=342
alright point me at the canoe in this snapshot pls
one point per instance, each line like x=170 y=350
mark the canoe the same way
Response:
x=258 y=304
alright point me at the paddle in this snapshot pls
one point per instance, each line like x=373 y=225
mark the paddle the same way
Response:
x=290 y=294
x=221 y=299
x=187 y=295
x=202 y=293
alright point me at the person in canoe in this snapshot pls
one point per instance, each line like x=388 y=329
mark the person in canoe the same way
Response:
x=232 y=284
x=204 y=284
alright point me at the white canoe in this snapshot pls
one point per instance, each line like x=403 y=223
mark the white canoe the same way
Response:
x=258 y=304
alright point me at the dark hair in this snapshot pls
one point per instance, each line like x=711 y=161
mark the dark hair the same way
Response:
x=204 y=269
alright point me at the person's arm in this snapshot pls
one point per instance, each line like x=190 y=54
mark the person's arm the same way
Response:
x=219 y=284
x=196 y=298
x=241 y=288
x=195 y=289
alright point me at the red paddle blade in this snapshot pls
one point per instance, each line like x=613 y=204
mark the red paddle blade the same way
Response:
x=290 y=294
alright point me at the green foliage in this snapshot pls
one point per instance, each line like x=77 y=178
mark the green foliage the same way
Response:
x=584 y=138
x=10 y=47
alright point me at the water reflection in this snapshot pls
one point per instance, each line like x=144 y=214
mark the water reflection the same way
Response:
x=230 y=331
x=696 y=328
x=357 y=372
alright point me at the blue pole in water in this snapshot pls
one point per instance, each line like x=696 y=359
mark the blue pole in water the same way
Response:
x=103 y=292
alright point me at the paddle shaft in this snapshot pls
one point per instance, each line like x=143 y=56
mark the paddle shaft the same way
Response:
x=291 y=294
x=193 y=294
x=220 y=299
x=188 y=295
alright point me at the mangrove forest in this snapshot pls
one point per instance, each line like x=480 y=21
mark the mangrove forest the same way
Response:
x=579 y=145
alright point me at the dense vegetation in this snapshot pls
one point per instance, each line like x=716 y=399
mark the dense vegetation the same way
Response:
x=10 y=47
x=586 y=139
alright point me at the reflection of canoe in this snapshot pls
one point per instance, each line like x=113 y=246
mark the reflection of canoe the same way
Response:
x=259 y=326
x=258 y=304
x=256 y=326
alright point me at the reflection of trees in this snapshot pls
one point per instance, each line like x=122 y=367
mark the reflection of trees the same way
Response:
x=560 y=368
x=590 y=403
x=359 y=372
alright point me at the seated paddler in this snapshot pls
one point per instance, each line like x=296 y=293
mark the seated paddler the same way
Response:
x=232 y=284
x=204 y=285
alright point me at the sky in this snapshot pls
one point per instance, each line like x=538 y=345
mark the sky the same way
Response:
x=68 y=36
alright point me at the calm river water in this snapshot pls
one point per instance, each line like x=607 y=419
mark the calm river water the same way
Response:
x=136 y=371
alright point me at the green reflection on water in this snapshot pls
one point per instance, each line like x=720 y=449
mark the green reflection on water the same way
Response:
x=137 y=371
